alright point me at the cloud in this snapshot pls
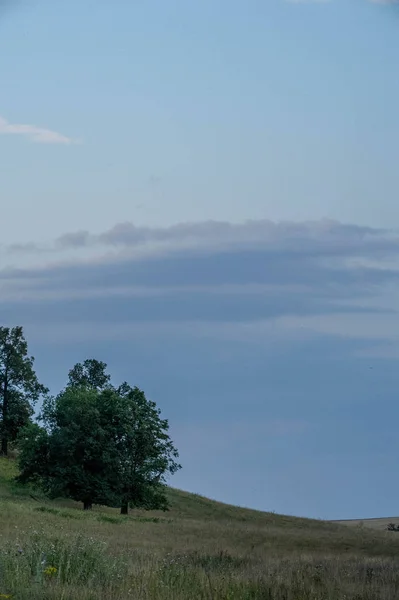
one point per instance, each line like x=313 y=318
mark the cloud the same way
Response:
x=253 y=281
x=254 y=252
x=328 y=236
x=36 y=134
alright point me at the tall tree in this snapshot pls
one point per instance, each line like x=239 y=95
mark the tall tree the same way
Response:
x=145 y=453
x=19 y=386
x=74 y=449
x=100 y=446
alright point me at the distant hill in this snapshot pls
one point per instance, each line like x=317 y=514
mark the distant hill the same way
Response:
x=380 y=523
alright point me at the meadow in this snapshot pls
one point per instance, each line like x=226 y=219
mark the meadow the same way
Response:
x=200 y=549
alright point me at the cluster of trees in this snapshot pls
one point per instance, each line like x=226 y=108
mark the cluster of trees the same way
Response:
x=94 y=443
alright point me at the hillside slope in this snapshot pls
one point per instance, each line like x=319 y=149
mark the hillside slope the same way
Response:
x=183 y=505
x=198 y=549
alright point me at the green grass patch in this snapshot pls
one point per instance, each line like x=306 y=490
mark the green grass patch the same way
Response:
x=51 y=510
x=200 y=549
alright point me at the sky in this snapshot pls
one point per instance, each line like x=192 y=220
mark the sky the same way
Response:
x=204 y=196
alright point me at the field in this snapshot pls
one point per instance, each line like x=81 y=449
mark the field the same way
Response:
x=380 y=523
x=200 y=549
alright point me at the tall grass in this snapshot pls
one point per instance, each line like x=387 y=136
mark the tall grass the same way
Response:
x=200 y=550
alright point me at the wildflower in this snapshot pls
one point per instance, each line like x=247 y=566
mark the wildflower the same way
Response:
x=49 y=571
x=4 y=596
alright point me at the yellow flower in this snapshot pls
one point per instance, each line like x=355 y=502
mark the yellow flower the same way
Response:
x=50 y=571
x=5 y=596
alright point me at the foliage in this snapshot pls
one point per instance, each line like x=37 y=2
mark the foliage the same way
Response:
x=99 y=444
x=76 y=449
x=19 y=386
x=145 y=452
x=34 y=444
x=89 y=374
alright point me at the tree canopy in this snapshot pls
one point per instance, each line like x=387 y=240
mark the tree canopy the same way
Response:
x=19 y=385
x=145 y=452
x=91 y=373
x=99 y=444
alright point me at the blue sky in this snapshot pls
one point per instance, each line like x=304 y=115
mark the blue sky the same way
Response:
x=204 y=195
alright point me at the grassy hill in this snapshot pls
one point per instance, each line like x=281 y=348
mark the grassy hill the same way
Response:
x=200 y=549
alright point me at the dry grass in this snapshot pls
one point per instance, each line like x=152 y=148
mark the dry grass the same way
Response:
x=199 y=550
x=380 y=523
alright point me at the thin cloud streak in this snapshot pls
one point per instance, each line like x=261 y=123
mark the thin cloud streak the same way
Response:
x=39 y=135
x=127 y=241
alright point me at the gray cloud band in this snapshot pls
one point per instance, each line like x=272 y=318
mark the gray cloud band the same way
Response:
x=211 y=275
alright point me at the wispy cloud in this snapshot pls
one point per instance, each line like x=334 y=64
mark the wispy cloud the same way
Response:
x=328 y=236
x=36 y=134
x=247 y=281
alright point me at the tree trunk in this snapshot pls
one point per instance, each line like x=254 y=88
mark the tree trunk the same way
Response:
x=87 y=505
x=4 y=439
x=124 y=508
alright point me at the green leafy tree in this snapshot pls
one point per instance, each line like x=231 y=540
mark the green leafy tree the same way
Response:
x=34 y=444
x=89 y=374
x=145 y=453
x=104 y=446
x=75 y=449
x=19 y=386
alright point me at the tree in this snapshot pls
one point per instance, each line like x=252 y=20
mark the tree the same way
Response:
x=89 y=374
x=145 y=452
x=33 y=458
x=75 y=450
x=19 y=386
x=104 y=446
